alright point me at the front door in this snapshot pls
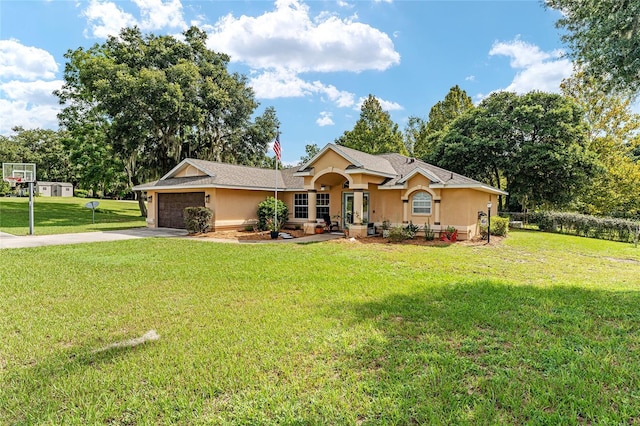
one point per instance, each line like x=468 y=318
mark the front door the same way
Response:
x=348 y=215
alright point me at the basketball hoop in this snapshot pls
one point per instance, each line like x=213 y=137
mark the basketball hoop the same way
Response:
x=13 y=180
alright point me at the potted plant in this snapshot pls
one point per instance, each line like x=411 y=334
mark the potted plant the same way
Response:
x=274 y=228
x=386 y=227
x=319 y=229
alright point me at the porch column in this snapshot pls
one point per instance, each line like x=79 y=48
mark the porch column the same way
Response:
x=436 y=213
x=313 y=200
x=405 y=211
x=358 y=202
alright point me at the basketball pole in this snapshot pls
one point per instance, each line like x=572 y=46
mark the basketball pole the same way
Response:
x=31 y=208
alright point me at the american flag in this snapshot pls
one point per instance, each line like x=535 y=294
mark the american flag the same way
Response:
x=276 y=146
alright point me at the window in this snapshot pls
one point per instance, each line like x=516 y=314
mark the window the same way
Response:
x=300 y=206
x=421 y=203
x=322 y=205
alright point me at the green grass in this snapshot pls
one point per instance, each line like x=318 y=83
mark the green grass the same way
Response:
x=57 y=215
x=542 y=329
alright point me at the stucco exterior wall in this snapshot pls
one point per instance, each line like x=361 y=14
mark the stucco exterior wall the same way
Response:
x=189 y=171
x=236 y=208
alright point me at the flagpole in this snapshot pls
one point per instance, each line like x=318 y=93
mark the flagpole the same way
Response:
x=277 y=151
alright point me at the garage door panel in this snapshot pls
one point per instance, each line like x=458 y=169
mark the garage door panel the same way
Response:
x=171 y=207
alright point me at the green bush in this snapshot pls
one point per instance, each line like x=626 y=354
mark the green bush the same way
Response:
x=410 y=230
x=429 y=235
x=398 y=234
x=81 y=193
x=197 y=219
x=500 y=226
x=266 y=211
x=5 y=188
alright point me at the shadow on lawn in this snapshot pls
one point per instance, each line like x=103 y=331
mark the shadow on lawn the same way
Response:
x=483 y=352
x=40 y=380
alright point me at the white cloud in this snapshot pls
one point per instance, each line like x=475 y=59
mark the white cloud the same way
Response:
x=34 y=92
x=29 y=104
x=157 y=14
x=286 y=83
x=26 y=85
x=25 y=62
x=106 y=18
x=325 y=119
x=539 y=70
x=288 y=37
x=385 y=105
x=470 y=78
x=20 y=113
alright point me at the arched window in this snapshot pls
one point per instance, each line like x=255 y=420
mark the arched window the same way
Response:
x=421 y=203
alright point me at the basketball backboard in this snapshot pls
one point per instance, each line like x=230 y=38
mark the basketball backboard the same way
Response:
x=15 y=173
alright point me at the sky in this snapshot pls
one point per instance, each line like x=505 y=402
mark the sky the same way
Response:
x=314 y=61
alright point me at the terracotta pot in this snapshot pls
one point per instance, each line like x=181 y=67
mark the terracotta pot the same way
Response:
x=319 y=230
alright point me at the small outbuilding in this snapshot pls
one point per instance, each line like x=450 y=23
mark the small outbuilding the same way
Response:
x=54 y=189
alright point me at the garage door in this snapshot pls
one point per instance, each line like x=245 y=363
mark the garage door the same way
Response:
x=171 y=208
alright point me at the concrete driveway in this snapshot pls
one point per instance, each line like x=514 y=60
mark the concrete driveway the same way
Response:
x=12 y=241
x=8 y=241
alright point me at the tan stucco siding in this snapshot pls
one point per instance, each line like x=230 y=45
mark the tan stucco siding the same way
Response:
x=237 y=207
x=188 y=171
x=385 y=205
x=330 y=159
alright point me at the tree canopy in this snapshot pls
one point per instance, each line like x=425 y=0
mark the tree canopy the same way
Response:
x=43 y=147
x=424 y=135
x=613 y=133
x=159 y=100
x=534 y=146
x=604 y=38
x=374 y=132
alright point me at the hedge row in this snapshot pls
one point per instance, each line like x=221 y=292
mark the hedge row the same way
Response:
x=605 y=228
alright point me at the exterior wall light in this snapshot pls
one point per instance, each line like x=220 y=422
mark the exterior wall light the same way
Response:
x=207 y=198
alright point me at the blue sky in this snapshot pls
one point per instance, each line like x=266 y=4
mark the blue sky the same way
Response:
x=314 y=61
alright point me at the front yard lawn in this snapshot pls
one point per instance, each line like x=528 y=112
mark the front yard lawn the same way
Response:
x=61 y=215
x=540 y=329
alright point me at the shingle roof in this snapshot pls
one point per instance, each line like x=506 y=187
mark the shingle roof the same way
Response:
x=405 y=165
x=229 y=175
x=396 y=166
x=375 y=163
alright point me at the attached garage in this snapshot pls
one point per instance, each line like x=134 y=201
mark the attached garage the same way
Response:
x=171 y=207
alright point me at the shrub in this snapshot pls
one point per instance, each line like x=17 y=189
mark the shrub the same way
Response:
x=410 y=230
x=429 y=235
x=5 y=188
x=266 y=211
x=81 y=193
x=397 y=234
x=500 y=226
x=197 y=219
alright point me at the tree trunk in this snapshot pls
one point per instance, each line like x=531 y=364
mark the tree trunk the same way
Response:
x=141 y=204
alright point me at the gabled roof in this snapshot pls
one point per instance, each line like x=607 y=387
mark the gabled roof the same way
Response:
x=440 y=178
x=222 y=175
x=361 y=161
x=396 y=168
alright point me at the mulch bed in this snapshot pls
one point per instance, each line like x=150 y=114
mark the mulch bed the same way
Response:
x=264 y=235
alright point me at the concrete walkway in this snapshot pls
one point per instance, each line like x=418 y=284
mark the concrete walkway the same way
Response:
x=8 y=241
